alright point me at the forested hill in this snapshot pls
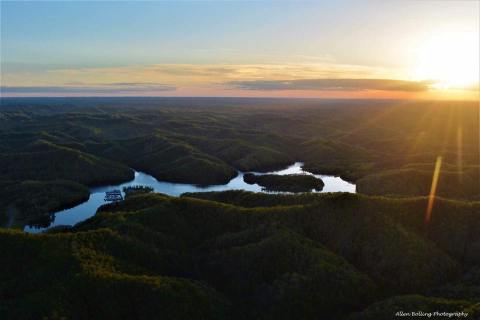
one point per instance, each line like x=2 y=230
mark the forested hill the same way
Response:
x=235 y=254
x=328 y=256
x=386 y=147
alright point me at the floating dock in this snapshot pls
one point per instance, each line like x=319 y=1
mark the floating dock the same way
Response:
x=113 y=196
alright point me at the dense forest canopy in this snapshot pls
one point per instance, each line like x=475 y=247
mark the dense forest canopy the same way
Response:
x=341 y=256
x=240 y=255
x=285 y=183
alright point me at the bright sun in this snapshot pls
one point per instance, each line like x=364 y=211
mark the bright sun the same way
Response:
x=450 y=60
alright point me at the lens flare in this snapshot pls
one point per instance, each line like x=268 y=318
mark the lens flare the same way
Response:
x=433 y=190
x=460 y=151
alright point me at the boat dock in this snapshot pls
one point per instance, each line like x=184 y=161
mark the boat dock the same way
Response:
x=113 y=196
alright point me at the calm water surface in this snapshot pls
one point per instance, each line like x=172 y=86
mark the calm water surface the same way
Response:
x=88 y=208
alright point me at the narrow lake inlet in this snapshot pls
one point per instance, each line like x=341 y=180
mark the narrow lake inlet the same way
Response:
x=88 y=208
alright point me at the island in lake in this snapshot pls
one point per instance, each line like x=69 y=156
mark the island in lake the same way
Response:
x=240 y=160
x=192 y=240
x=285 y=183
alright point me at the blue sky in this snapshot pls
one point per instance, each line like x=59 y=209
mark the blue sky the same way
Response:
x=354 y=39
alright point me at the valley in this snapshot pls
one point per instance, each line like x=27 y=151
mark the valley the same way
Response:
x=207 y=245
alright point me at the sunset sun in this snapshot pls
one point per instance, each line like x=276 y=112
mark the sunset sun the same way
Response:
x=240 y=160
x=449 y=60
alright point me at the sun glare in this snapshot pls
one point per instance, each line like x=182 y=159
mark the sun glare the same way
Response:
x=449 y=60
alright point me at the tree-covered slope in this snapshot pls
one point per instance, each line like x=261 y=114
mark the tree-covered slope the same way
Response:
x=26 y=200
x=95 y=275
x=334 y=254
x=240 y=255
x=412 y=182
x=285 y=183
x=167 y=159
x=377 y=143
x=45 y=161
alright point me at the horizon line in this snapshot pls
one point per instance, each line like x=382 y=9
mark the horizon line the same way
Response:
x=238 y=97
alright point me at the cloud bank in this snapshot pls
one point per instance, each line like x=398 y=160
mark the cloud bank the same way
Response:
x=317 y=80
x=332 y=85
x=117 y=88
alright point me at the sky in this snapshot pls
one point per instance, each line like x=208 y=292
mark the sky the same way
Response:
x=332 y=49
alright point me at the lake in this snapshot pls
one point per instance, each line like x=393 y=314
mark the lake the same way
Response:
x=88 y=208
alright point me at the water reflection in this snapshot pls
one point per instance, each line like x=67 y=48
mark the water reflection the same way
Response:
x=87 y=209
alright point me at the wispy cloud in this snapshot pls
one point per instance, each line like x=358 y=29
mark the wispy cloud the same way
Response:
x=200 y=74
x=181 y=75
x=308 y=79
x=117 y=88
x=333 y=85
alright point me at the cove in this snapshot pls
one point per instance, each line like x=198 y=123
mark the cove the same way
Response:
x=88 y=208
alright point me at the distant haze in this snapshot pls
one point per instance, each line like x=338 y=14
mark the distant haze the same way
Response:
x=330 y=49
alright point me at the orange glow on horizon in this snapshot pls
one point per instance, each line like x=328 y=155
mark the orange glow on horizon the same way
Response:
x=204 y=91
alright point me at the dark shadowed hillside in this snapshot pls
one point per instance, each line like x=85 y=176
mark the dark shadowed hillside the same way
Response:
x=331 y=254
x=236 y=254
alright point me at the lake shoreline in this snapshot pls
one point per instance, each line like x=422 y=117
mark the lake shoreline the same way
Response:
x=86 y=209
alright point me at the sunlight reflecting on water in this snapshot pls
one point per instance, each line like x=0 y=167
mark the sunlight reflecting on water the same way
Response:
x=88 y=209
